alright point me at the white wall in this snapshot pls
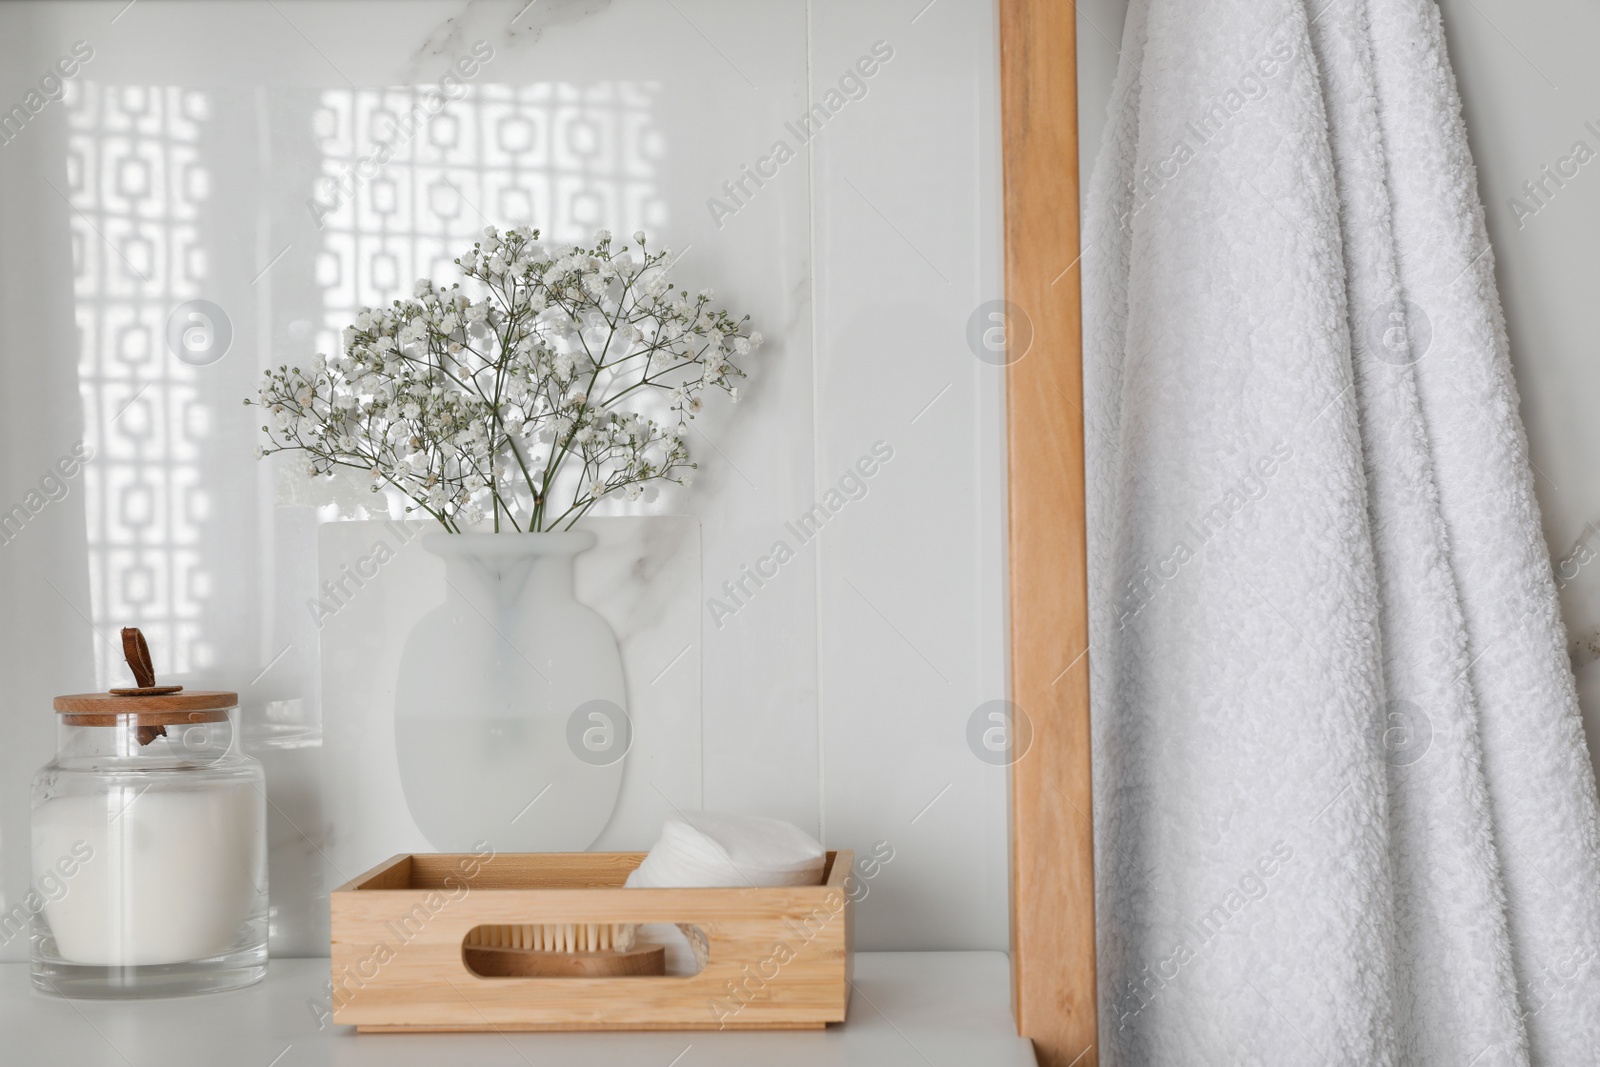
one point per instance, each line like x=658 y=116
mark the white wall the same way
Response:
x=1099 y=39
x=839 y=697
x=1529 y=88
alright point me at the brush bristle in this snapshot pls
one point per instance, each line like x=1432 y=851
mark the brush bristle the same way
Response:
x=557 y=937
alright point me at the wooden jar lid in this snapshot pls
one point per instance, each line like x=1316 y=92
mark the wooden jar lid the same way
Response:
x=153 y=709
x=151 y=705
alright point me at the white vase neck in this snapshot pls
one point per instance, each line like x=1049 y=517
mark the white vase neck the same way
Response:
x=502 y=569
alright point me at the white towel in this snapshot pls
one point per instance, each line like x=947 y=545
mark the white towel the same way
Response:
x=1345 y=813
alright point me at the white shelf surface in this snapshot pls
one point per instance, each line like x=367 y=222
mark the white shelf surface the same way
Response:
x=917 y=1009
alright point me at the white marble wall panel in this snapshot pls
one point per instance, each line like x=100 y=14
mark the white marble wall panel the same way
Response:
x=912 y=617
x=224 y=152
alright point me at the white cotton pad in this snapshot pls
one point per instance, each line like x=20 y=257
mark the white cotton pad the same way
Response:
x=700 y=848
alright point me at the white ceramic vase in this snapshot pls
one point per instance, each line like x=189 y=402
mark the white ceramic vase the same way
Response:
x=510 y=720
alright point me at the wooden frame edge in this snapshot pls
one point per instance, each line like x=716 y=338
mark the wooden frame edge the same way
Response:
x=1052 y=832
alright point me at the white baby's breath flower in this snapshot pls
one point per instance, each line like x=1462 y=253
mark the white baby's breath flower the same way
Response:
x=444 y=394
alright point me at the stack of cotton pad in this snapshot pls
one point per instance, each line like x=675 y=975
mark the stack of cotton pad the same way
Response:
x=701 y=848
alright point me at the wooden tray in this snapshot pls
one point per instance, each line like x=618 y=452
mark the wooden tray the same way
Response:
x=779 y=958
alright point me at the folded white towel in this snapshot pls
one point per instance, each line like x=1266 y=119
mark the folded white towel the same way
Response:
x=704 y=848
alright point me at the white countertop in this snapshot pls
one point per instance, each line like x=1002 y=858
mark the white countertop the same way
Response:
x=917 y=1009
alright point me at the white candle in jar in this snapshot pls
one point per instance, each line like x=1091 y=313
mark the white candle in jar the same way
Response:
x=171 y=875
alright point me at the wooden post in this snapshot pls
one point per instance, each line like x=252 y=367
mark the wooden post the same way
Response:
x=1052 y=846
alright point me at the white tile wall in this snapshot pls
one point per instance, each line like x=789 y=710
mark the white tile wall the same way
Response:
x=180 y=163
x=911 y=617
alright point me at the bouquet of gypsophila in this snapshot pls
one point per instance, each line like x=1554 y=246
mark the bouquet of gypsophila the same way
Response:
x=527 y=406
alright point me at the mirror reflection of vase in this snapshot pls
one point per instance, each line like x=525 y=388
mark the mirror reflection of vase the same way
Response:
x=486 y=697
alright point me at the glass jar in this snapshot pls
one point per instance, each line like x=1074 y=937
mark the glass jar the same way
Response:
x=149 y=849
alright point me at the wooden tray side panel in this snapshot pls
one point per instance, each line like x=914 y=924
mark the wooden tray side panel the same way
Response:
x=512 y=870
x=778 y=956
x=392 y=873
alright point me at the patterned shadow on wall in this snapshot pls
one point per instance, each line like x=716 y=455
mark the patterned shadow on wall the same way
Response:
x=136 y=186
x=565 y=159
